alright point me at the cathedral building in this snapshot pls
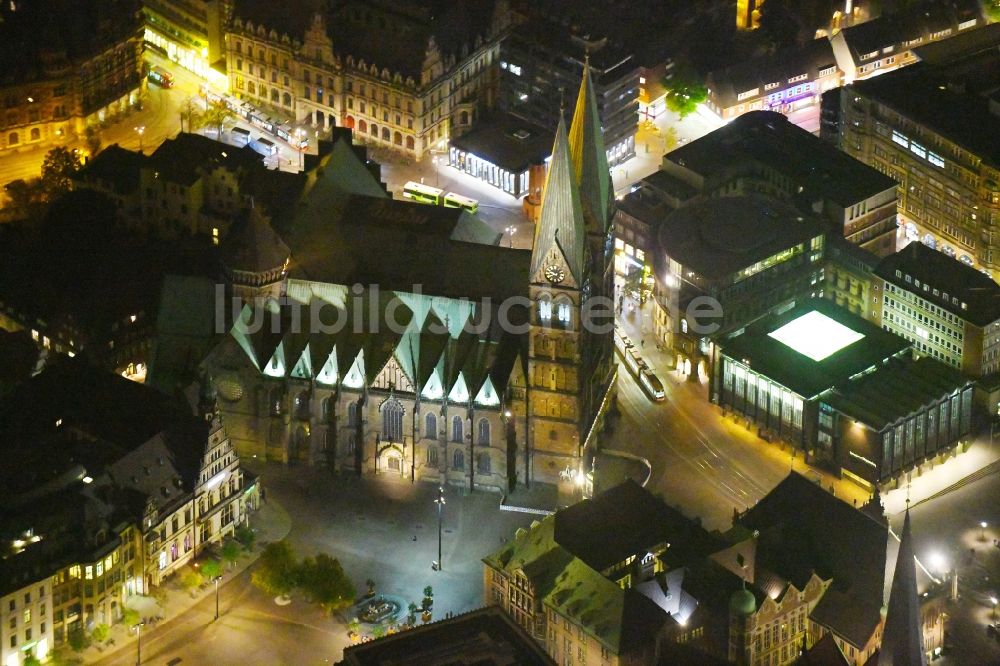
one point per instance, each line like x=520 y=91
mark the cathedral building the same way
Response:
x=392 y=338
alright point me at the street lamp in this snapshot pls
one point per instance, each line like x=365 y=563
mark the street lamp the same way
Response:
x=993 y=600
x=138 y=643
x=440 y=504
x=216 y=581
x=982 y=530
x=937 y=562
x=510 y=233
x=140 y=130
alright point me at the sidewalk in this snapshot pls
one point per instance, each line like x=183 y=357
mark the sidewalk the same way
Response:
x=270 y=523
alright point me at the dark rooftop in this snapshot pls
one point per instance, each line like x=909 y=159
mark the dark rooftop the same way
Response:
x=897 y=390
x=949 y=100
x=42 y=39
x=977 y=296
x=400 y=244
x=719 y=236
x=182 y=158
x=770 y=139
x=623 y=521
x=484 y=637
x=801 y=374
x=75 y=414
x=805 y=529
x=253 y=246
x=964 y=44
x=508 y=142
x=115 y=167
x=919 y=22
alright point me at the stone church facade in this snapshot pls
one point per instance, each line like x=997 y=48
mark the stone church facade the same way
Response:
x=491 y=381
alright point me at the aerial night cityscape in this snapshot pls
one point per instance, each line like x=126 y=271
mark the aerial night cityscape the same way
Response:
x=500 y=332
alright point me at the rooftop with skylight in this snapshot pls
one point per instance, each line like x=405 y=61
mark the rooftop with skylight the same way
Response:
x=815 y=335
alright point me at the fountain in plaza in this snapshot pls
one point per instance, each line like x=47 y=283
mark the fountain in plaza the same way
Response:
x=378 y=609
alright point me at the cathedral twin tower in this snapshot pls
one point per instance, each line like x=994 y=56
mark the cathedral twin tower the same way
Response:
x=571 y=366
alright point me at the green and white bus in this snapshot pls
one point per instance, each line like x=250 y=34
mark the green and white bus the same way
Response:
x=423 y=193
x=452 y=200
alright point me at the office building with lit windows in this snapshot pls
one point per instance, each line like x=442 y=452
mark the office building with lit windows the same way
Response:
x=947 y=310
x=843 y=390
x=540 y=66
x=189 y=32
x=64 y=66
x=933 y=128
x=892 y=41
x=410 y=93
x=748 y=254
x=787 y=81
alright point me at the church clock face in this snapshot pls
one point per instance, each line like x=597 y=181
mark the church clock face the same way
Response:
x=554 y=274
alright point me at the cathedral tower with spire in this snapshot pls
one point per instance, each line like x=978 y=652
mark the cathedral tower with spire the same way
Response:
x=570 y=360
x=902 y=639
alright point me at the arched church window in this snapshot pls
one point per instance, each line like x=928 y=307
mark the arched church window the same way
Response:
x=392 y=420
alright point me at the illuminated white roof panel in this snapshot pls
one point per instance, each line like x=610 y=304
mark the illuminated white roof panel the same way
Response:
x=815 y=335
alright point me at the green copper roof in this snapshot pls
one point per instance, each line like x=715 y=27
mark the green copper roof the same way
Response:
x=590 y=159
x=561 y=223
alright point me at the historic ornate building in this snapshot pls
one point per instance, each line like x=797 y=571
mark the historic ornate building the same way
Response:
x=413 y=344
x=336 y=67
x=64 y=65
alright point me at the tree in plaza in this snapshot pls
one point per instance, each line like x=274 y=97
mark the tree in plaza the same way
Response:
x=670 y=138
x=230 y=552
x=78 y=639
x=276 y=573
x=246 y=536
x=684 y=91
x=216 y=115
x=130 y=617
x=100 y=633
x=324 y=582
x=211 y=569
x=428 y=598
x=58 y=167
x=191 y=580
x=190 y=114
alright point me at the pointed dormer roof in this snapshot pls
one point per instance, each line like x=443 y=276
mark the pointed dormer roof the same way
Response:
x=253 y=246
x=560 y=226
x=590 y=160
x=902 y=640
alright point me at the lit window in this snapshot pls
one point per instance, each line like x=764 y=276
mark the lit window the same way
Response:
x=88 y=572
x=545 y=310
x=936 y=160
x=901 y=139
x=642 y=80
x=564 y=312
x=514 y=69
